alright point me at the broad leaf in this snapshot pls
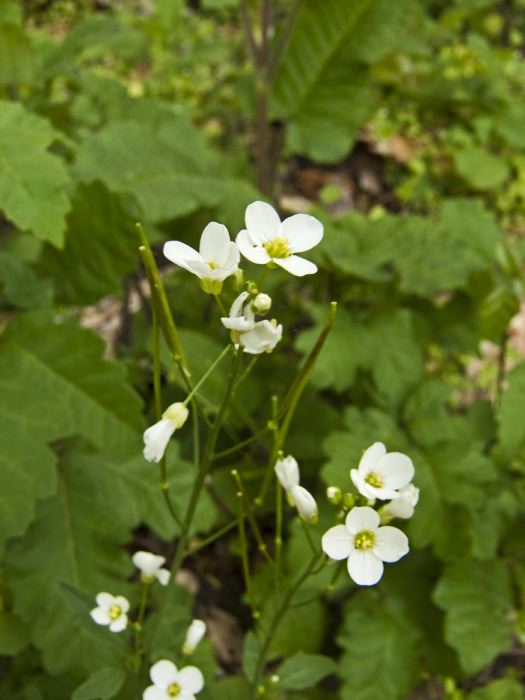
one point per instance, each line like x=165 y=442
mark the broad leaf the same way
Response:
x=305 y=670
x=101 y=685
x=16 y=57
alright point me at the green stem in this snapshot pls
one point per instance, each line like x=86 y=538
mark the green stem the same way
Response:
x=249 y=514
x=278 y=540
x=308 y=536
x=138 y=624
x=277 y=617
x=244 y=556
x=206 y=375
x=220 y=304
x=213 y=537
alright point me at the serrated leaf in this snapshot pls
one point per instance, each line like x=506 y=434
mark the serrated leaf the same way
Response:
x=100 y=247
x=101 y=685
x=322 y=85
x=38 y=361
x=16 y=56
x=305 y=670
x=32 y=181
x=379 y=659
x=477 y=599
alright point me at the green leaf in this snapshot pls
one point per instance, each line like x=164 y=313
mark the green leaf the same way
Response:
x=169 y=169
x=250 y=655
x=502 y=689
x=322 y=85
x=477 y=599
x=230 y=688
x=21 y=286
x=511 y=427
x=32 y=181
x=14 y=634
x=16 y=55
x=305 y=670
x=100 y=248
x=38 y=361
x=479 y=168
x=379 y=659
x=101 y=685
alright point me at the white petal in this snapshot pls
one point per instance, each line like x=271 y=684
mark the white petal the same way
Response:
x=262 y=338
x=262 y=221
x=154 y=693
x=214 y=243
x=122 y=602
x=180 y=253
x=364 y=489
x=370 y=457
x=305 y=503
x=390 y=543
x=186 y=695
x=100 y=616
x=163 y=576
x=194 y=635
x=241 y=324
x=233 y=258
x=296 y=266
x=396 y=469
x=119 y=624
x=163 y=673
x=156 y=439
x=147 y=562
x=362 y=518
x=302 y=231
x=364 y=567
x=105 y=600
x=256 y=254
x=191 y=679
x=337 y=542
x=287 y=471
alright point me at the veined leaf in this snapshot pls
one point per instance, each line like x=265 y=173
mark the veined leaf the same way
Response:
x=32 y=181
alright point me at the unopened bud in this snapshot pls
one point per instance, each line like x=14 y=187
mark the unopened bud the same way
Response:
x=194 y=635
x=334 y=494
x=262 y=303
x=177 y=413
x=349 y=500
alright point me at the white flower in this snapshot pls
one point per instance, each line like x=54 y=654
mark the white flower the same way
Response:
x=151 y=567
x=262 y=303
x=194 y=635
x=287 y=471
x=217 y=259
x=111 y=611
x=381 y=475
x=402 y=507
x=305 y=504
x=241 y=317
x=365 y=544
x=157 y=436
x=171 y=683
x=263 y=337
x=267 y=240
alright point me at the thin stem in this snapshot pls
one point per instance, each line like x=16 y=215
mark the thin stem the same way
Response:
x=163 y=475
x=206 y=375
x=500 y=378
x=213 y=537
x=138 y=624
x=250 y=40
x=220 y=304
x=277 y=617
x=244 y=556
x=249 y=514
x=282 y=41
x=308 y=536
x=278 y=539
x=240 y=445
x=246 y=372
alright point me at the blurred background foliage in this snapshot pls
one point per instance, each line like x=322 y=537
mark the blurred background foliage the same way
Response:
x=402 y=126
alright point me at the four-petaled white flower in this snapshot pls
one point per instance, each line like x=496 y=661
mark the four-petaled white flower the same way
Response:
x=305 y=503
x=255 y=337
x=150 y=566
x=217 y=259
x=381 y=474
x=111 y=611
x=365 y=545
x=268 y=240
x=194 y=635
x=401 y=507
x=157 y=436
x=169 y=682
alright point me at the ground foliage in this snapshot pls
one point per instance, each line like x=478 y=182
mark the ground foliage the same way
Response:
x=118 y=112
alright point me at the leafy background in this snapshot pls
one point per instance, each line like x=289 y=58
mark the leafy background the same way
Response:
x=403 y=129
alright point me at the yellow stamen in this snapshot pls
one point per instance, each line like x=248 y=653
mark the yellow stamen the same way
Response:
x=174 y=690
x=375 y=480
x=115 y=612
x=364 y=540
x=278 y=248
x=212 y=265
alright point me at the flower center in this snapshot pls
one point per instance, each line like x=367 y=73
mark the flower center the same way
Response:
x=364 y=539
x=115 y=612
x=212 y=265
x=278 y=248
x=375 y=480
x=174 y=690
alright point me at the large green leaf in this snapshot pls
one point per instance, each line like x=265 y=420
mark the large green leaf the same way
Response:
x=19 y=284
x=55 y=384
x=100 y=249
x=305 y=670
x=32 y=181
x=16 y=57
x=322 y=85
x=511 y=427
x=477 y=599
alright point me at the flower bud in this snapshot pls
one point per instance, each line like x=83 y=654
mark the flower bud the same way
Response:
x=287 y=471
x=177 y=413
x=402 y=507
x=349 y=500
x=305 y=504
x=334 y=494
x=262 y=303
x=194 y=635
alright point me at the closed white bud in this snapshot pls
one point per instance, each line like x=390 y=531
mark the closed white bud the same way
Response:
x=177 y=413
x=157 y=436
x=334 y=494
x=287 y=471
x=305 y=504
x=194 y=635
x=262 y=303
